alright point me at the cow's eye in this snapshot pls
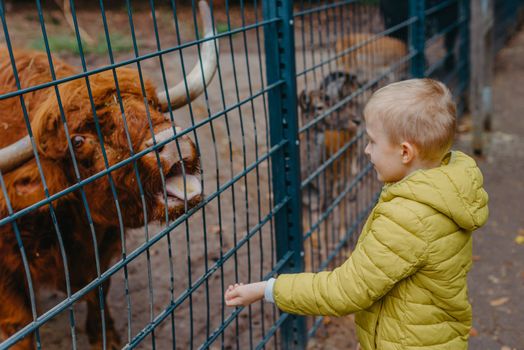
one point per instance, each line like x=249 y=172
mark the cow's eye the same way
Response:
x=78 y=141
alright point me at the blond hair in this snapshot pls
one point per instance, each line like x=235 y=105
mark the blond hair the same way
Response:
x=419 y=111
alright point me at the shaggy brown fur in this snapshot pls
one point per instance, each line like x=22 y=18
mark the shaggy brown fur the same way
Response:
x=25 y=187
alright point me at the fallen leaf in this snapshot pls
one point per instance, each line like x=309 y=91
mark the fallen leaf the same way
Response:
x=493 y=279
x=475 y=257
x=473 y=332
x=199 y=110
x=465 y=125
x=519 y=239
x=499 y=301
x=326 y=320
x=214 y=229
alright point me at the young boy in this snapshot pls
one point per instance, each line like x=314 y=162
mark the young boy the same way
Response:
x=406 y=279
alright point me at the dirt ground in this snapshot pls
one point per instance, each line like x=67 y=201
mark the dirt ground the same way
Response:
x=177 y=261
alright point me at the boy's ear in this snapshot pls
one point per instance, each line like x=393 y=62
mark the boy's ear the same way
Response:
x=408 y=152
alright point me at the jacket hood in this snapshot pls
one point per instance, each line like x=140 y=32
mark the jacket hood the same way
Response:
x=454 y=189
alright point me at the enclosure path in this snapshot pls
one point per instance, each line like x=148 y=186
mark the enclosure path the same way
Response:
x=496 y=282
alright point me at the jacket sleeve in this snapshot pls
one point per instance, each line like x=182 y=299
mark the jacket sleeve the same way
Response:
x=388 y=252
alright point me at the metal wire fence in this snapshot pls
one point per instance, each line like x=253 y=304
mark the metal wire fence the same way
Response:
x=173 y=150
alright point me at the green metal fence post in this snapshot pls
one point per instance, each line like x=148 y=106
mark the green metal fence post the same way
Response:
x=417 y=37
x=280 y=70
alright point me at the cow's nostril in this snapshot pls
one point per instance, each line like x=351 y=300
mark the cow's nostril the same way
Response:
x=160 y=149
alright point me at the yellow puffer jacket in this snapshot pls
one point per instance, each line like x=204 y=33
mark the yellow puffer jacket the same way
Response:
x=406 y=279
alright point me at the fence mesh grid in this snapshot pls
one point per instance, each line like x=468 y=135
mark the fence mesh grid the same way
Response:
x=127 y=211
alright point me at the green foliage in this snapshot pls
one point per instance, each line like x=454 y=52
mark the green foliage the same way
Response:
x=221 y=27
x=68 y=43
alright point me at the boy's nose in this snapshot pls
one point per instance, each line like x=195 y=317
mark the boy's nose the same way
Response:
x=366 y=150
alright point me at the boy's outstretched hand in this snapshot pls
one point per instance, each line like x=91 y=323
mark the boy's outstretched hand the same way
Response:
x=244 y=294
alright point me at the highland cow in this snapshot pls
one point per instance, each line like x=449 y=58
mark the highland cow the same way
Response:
x=99 y=132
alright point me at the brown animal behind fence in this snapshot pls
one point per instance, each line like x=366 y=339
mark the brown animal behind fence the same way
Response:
x=370 y=56
x=328 y=143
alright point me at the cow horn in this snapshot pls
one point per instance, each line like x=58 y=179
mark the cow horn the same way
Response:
x=15 y=154
x=195 y=81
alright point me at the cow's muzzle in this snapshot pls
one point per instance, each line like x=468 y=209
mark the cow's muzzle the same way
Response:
x=178 y=156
